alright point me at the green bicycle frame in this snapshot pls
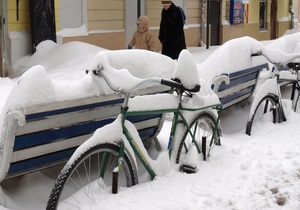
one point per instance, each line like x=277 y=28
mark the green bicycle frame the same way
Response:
x=178 y=118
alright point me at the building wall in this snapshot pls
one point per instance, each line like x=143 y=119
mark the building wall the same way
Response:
x=106 y=20
x=106 y=23
x=105 y=15
x=252 y=27
x=23 y=21
x=21 y=24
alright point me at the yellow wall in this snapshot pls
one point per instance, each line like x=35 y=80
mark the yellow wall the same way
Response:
x=109 y=15
x=153 y=12
x=253 y=11
x=23 y=24
x=194 y=12
x=57 y=14
x=105 y=15
x=282 y=8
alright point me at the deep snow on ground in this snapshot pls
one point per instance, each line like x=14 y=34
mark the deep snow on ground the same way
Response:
x=261 y=171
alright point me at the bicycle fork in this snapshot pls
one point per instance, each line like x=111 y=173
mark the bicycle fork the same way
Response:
x=115 y=173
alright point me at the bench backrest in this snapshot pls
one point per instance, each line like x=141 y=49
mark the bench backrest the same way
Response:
x=237 y=86
x=52 y=132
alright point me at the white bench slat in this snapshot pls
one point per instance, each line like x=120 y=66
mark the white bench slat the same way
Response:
x=67 y=143
x=236 y=88
x=64 y=120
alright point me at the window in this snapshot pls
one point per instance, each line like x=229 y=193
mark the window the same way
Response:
x=263 y=15
x=71 y=14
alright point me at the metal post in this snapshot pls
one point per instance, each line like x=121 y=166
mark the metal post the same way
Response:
x=138 y=8
x=115 y=183
x=291 y=11
x=207 y=22
x=204 y=147
x=202 y=21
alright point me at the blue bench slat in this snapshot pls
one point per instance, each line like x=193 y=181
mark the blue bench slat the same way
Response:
x=138 y=118
x=36 y=116
x=236 y=95
x=246 y=71
x=40 y=161
x=43 y=137
x=60 y=156
x=238 y=80
x=147 y=133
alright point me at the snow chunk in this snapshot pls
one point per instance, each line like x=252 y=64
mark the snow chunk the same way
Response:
x=232 y=56
x=33 y=87
x=186 y=70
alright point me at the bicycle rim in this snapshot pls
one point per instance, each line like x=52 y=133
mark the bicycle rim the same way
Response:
x=267 y=110
x=80 y=183
x=202 y=126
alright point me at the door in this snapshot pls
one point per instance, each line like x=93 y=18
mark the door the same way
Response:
x=131 y=15
x=2 y=73
x=42 y=21
x=273 y=25
x=215 y=13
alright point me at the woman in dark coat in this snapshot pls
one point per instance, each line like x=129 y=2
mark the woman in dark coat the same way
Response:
x=171 y=33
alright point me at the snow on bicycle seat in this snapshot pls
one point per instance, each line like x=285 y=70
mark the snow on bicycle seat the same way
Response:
x=118 y=80
x=186 y=72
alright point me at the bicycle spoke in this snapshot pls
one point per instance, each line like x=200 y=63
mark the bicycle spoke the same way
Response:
x=79 y=184
x=203 y=126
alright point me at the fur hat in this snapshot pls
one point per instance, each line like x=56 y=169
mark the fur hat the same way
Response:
x=166 y=2
x=144 y=20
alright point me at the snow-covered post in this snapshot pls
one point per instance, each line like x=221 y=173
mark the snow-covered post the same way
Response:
x=204 y=147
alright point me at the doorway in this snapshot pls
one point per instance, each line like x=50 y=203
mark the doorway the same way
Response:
x=42 y=21
x=215 y=13
x=273 y=21
x=131 y=15
x=2 y=69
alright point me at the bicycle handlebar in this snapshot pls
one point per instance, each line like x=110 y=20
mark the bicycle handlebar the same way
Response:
x=255 y=54
x=276 y=56
x=133 y=83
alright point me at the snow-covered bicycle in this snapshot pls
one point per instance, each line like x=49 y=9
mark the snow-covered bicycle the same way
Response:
x=108 y=159
x=267 y=105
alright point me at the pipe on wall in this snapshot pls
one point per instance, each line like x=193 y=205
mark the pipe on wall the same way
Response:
x=291 y=11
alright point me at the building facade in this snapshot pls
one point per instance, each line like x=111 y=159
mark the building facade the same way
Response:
x=111 y=23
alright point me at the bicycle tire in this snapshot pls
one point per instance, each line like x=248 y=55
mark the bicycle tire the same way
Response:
x=264 y=113
x=205 y=125
x=80 y=180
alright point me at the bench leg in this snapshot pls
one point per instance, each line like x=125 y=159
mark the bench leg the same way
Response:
x=157 y=144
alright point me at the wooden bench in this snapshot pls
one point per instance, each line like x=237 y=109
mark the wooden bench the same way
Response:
x=237 y=86
x=51 y=132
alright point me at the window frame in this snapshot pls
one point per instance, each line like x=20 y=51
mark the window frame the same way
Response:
x=263 y=11
x=75 y=30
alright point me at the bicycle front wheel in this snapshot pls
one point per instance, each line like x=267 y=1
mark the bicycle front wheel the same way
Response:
x=91 y=174
x=203 y=126
x=267 y=110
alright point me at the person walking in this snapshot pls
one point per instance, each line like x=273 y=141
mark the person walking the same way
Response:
x=142 y=38
x=171 y=33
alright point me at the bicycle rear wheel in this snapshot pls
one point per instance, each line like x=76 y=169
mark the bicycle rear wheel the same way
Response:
x=81 y=182
x=203 y=126
x=267 y=110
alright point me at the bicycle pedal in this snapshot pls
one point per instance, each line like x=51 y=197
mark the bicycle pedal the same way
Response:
x=189 y=169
